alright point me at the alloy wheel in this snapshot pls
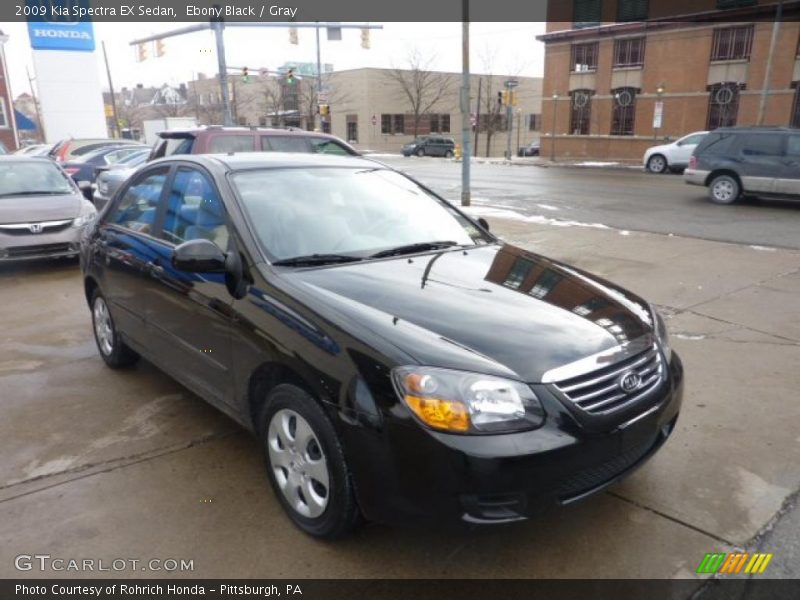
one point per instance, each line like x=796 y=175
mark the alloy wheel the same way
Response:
x=298 y=463
x=103 y=328
x=723 y=190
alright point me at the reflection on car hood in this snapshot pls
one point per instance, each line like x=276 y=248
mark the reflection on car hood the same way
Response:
x=32 y=209
x=496 y=309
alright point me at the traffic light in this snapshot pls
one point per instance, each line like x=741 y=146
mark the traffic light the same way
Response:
x=513 y=97
x=503 y=98
x=245 y=75
x=499 y=98
x=290 y=79
x=141 y=52
x=293 y=36
x=365 y=38
x=324 y=110
x=160 y=48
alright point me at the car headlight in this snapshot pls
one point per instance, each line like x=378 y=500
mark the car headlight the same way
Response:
x=463 y=402
x=661 y=333
x=88 y=213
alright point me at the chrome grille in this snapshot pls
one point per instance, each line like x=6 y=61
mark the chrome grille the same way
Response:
x=599 y=392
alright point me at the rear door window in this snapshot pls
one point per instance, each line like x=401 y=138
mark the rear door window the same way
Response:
x=762 y=144
x=326 y=146
x=285 y=143
x=138 y=207
x=230 y=143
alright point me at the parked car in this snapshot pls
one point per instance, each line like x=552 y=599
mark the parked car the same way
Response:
x=531 y=149
x=430 y=146
x=42 y=211
x=72 y=148
x=750 y=161
x=394 y=358
x=84 y=168
x=673 y=156
x=215 y=139
x=110 y=177
x=34 y=150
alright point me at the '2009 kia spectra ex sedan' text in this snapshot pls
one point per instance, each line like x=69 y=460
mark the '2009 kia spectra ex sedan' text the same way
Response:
x=395 y=359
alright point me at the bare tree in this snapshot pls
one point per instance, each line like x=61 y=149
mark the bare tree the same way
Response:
x=309 y=102
x=423 y=89
x=491 y=116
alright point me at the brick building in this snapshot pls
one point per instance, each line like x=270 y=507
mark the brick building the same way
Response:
x=8 y=124
x=611 y=65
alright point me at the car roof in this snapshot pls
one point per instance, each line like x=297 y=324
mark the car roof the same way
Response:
x=272 y=160
x=241 y=130
x=757 y=129
x=25 y=158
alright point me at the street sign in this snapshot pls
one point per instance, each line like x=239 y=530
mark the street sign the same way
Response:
x=511 y=83
x=658 y=113
x=322 y=97
x=374 y=120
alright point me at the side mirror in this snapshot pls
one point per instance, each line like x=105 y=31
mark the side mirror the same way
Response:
x=199 y=256
x=483 y=223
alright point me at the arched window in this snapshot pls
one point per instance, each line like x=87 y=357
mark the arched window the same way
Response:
x=580 y=111
x=723 y=105
x=623 y=111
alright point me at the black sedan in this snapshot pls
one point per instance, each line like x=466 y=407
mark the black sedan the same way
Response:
x=395 y=360
x=85 y=168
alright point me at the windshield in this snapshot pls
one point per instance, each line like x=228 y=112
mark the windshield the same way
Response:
x=345 y=211
x=38 y=176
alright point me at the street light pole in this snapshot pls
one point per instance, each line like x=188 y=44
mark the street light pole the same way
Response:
x=319 y=81
x=553 y=133
x=776 y=26
x=227 y=117
x=466 y=125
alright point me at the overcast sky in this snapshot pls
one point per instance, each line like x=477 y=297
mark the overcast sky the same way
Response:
x=501 y=48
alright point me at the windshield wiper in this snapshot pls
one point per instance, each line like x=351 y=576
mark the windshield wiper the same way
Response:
x=315 y=259
x=35 y=193
x=411 y=248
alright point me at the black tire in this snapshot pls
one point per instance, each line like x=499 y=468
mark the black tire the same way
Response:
x=340 y=515
x=112 y=349
x=724 y=189
x=448 y=154
x=657 y=164
x=420 y=152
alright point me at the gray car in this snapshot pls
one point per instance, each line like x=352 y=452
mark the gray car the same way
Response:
x=42 y=211
x=110 y=178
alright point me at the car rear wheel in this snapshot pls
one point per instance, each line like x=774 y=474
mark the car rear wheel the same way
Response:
x=448 y=154
x=657 y=164
x=113 y=350
x=724 y=189
x=421 y=152
x=306 y=465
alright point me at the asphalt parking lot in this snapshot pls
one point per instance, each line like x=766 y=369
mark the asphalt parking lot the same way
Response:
x=105 y=464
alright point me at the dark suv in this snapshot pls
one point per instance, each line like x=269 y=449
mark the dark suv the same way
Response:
x=430 y=146
x=747 y=161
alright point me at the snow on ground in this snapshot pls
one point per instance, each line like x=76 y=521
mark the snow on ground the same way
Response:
x=504 y=213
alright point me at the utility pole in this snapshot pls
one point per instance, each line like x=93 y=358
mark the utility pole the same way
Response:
x=227 y=117
x=319 y=81
x=478 y=115
x=35 y=104
x=553 y=135
x=117 y=131
x=466 y=126
x=776 y=27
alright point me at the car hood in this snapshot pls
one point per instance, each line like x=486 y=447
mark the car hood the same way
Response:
x=25 y=209
x=496 y=309
x=659 y=148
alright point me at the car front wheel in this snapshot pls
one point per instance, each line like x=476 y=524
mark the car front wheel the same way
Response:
x=657 y=164
x=421 y=152
x=724 y=189
x=448 y=154
x=113 y=350
x=306 y=464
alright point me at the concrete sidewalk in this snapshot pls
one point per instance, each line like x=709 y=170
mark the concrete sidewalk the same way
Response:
x=110 y=464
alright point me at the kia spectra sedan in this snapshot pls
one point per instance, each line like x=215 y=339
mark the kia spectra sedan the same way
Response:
x=396 y=361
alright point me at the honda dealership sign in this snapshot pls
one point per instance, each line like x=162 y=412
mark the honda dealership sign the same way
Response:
x=64 y=59
x=54 y=26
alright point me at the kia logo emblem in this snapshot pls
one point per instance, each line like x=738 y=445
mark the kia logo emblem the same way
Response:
x=629 y=382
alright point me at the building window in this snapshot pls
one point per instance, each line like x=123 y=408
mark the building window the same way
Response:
x=534 y=122
x=732 y=43
x=796 y=108
x=545 y=284
x=3 y=115
x=392 y=124
x=445 y=124
x=723 y=105
x=586 y=13
x=519 y=271
x=581 y=111
x=439 y=123
x=629 y=52
x=624 y=111
x=386 y=123
x=632 y=10
x=352 y=128
x=584 y=57
x=725 y=4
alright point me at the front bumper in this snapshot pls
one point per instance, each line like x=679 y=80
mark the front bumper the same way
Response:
x=418 y=475
x=695 y=176
x=33 y=246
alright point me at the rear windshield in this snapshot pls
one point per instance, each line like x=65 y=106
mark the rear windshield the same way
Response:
x=230 y=143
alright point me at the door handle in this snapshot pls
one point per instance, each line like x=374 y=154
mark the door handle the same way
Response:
x=156 y=270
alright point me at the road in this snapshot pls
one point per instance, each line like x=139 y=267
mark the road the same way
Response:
x=619 y=198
